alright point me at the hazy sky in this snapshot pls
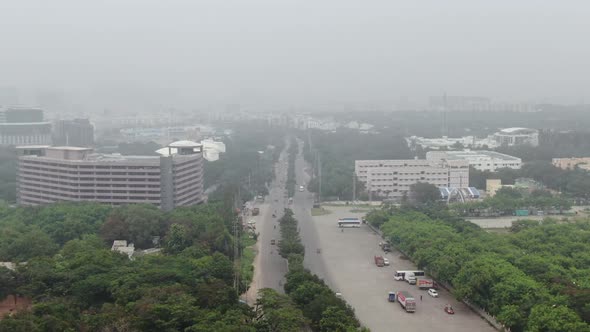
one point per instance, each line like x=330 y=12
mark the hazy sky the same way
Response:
x=202 y=52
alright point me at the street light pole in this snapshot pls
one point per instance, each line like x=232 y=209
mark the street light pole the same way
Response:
x=320 y=180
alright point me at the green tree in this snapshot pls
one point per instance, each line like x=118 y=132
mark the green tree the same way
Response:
x=276 y=313
x=556 y=318
x=424 y=193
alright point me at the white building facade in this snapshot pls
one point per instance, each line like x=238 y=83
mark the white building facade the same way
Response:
x=393 y=178
x=481 y=160
x=517 y=136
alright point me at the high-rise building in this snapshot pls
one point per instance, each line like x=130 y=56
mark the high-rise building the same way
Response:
x=24 y=126
x=52 y=174
x=77 y=132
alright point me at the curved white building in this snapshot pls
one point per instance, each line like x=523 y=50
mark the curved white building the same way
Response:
x=517 y=136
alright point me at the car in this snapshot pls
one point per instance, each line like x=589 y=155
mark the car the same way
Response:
x=272 y=242
x=385 y=261
x=449 y=309
x=301 y=188
x=432 y=292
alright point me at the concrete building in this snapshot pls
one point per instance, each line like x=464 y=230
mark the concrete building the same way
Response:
x=19 y=126
x=480 y=159
x=77 y=132
x=52 y=174
x=517 y=136
x=449 y=142
x=492 y=186
x=393 y=178
x=571 y=163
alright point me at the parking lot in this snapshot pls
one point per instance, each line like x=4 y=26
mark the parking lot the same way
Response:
x=349 y=268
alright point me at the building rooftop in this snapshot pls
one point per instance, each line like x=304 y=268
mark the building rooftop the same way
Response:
x=184 y=144
x=517 y=130
x=477 y=154
x=68 y=148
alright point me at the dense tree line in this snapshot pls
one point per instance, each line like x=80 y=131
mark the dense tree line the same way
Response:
x=572 y=183
x=251 y=151
x=535 y=279
x=78 y=284
x=323 y=310
x=8 y=163
x=292 y=156
x=507 y=200
x=337 y=152
x=553 y=144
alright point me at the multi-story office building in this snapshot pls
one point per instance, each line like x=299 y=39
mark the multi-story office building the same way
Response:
x=393 y=178
x=481 y=160
x=77 y=132
x=517 y=136
x=53 y=174
x=19 y=126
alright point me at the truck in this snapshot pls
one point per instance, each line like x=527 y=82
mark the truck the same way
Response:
x=423 y=283
x=379 y=261
x=410 y=278
x=255 y=211
x=406 y=300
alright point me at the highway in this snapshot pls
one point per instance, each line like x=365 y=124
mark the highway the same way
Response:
x=346 y=265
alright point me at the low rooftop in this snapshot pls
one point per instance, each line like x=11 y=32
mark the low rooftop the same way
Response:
x=475 y=154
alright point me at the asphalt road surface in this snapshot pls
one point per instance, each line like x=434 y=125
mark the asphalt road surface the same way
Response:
x=346 y=264
x=269 y=267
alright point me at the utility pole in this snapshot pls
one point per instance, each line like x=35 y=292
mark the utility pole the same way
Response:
x=353 y=187
x=320 y=180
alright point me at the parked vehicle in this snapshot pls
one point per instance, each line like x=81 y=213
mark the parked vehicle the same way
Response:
x=433 y=292
x=449 y=309
x=423 y=283
x=301 y=188
x=410 y=278
x=400 y=275
x=272 y=242
x=386 y=247
x=255 y=211
x=385 y=261
x=349 y=222
x=391 y=297
x=406 y=300
x=379 y=261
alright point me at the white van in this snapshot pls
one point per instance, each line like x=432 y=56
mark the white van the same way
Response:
x=301 y=188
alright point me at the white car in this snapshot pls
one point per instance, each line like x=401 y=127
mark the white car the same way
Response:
x=433 y=292
x=301 y=188
x=385 y=261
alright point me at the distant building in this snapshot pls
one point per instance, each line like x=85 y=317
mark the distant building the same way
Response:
x=571 y=163
x=517 y=136
x=460 y=103
x=77 y=132
x=448 y=142
x=52 y=174
x=479 y=159
x=492 y=186
x=24 y=126
x=393 y=178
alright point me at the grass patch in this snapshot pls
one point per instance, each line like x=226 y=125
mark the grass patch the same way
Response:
x=319 y=211
x=247 y=260
x=247 y=267
x=357 y=210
